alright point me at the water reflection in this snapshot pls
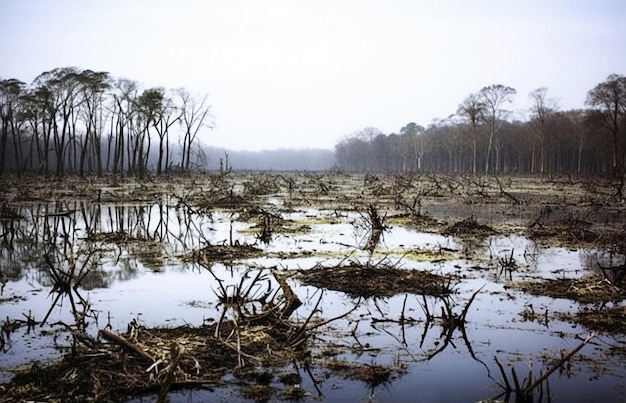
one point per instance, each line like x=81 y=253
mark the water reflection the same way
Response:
x=153 y=234
x=78 y=249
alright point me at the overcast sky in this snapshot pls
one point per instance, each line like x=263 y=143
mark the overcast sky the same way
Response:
x=305 y=73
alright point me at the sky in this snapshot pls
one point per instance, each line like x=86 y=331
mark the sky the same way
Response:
x=308 y=73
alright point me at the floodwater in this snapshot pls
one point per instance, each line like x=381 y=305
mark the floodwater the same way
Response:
x=137 y=273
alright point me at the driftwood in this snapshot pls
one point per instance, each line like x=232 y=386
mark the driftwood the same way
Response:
x=121 y=341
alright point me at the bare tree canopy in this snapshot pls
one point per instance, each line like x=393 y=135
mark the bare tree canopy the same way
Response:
x=493 y=98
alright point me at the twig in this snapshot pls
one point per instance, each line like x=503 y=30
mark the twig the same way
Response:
x=292 y=300
x=238 y=350
x=559 y=363
x=464 y=313
x=504 y=377
x=336 y=317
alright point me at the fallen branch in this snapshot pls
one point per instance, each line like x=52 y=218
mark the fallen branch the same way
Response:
x=507 y=194
x=121 y=341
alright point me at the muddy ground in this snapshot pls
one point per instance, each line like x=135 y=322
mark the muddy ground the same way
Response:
x=259 y=333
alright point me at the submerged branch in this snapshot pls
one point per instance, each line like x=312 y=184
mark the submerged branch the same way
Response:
x=559 y=364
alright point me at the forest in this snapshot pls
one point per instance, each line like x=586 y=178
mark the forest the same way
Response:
x=482 y=137
x=73 y=121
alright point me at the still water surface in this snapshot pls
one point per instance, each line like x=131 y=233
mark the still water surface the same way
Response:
x=144 y=277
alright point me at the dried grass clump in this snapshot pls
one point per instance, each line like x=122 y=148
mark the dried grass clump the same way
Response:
x=114 y=237
x=569 y=229
x=9 y=213
x=366 y=281
x=587 y=289
x=112 y=372
x=469 y=227
x=564 y=233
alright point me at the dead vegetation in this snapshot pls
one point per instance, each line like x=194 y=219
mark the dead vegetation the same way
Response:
x=379 y=280
x=569 y=230
x=8 y=213
x=526 y=389
x=141 y=360
x=587 y=289
x=469 y=228
x=370 y=374
x=223 y=253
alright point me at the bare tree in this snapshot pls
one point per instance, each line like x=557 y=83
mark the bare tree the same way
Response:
x=194 y=115
x=148 y=108
x=165 y=117
x=59 y=91
x=608 y=100
x=10 y=92
x=542 y=112
x=494 y=97
x=472 y=109
x=124 y=96
x=412 y=144
x=571 y=125
x=92 y=91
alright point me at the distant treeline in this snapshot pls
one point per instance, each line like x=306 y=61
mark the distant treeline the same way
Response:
x=81 y=121
x=481 y=137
